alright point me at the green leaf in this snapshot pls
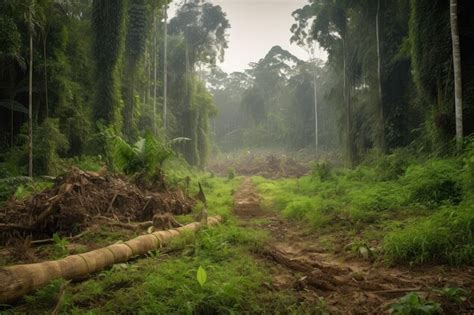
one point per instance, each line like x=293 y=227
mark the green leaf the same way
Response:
x=201 y=276
x=14 y=105
x=364 y=252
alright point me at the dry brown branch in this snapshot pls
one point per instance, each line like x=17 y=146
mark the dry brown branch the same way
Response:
x=400 y=290
x=62 y=291
x=50 y=240
x=128 y=226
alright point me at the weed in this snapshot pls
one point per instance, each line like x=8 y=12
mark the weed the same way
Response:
x=322 y=170
x=24 y=191
x=46 y=297
x=445 y=237
x=413 y=304
x=434 y=182
x=392 y=166
x=9 y=185
x=468 y=170
x=59 y=246
x=454 y=294
x=231 y=173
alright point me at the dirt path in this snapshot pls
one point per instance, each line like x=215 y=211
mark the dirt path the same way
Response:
x=348 y=286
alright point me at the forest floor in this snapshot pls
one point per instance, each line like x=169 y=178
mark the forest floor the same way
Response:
x=258 y=261
x=299 y=261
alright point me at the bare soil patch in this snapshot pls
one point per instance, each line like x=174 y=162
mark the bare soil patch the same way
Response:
x=348 y=286
x=269 y=166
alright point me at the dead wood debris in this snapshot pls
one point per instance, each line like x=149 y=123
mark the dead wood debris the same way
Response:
x=78 y=197
x=270 y=166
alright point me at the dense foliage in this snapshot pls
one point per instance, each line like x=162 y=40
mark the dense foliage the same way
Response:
x=98 y=65
x=418 y=210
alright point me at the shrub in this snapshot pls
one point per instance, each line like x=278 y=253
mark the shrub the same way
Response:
x=468 y=170
x=413 y=304
x=362 y=173
x=445 y=237
x=48 y=143
x=142 y=157
x=322 y=170
x=392 y=166
x=435 y=182
x=231 y=173
x=313 y=210
x=380 y=197
x=85 y=163
x=8 y=186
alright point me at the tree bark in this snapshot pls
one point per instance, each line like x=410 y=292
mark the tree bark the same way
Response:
x=30 y=102
x=457 y=72
x=45 y=35
x=381 y=118
x=316 y=136
x=11 y=123
x=165 y=70
x=155 y=127
x=346 y=88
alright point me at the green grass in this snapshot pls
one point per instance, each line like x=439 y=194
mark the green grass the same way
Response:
x=418 y=209
x=165 y=281
x=445 y=237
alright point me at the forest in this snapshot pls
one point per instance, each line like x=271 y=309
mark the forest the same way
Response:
x=144 y=169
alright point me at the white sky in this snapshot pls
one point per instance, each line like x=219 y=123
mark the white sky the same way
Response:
x=256 y=26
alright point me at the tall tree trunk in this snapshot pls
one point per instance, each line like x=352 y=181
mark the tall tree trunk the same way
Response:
x=46 y=98
x=165 y=69
x=381 y=118
x=30 y=103
x=316 y=136
x=11 y=123
x=346 y=88
x=145 y=85
x=155 y=128
x=12 y=98
x=457 y=72
x=149 y=77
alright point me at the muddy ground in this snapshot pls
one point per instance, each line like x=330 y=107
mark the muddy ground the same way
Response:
x=297 y=260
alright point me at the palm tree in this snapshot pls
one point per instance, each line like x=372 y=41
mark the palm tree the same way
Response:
x=457 y=72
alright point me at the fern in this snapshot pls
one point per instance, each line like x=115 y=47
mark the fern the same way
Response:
x=142 y=157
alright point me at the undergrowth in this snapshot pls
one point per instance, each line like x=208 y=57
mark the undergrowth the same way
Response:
x=165 y=282
x=418 y=210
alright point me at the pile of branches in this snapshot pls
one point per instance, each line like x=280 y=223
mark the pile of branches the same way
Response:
x=78 y=198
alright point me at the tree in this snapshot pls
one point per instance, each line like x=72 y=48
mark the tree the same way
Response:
x=303 y=39
x=108 y=24
x=457 y=72
x=329 y=21
x=30 y=91
x=165 y=64
x=381 y=118
x=203 y=27
x=134 y=49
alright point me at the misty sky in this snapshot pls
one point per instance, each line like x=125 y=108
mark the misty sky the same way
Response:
x=257 y=26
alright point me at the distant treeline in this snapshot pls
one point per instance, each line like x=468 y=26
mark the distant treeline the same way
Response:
x=388 y=81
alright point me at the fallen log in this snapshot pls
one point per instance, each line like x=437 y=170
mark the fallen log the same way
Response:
x=19 y=280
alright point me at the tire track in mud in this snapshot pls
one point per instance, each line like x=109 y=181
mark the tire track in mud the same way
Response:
x=348 y=286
